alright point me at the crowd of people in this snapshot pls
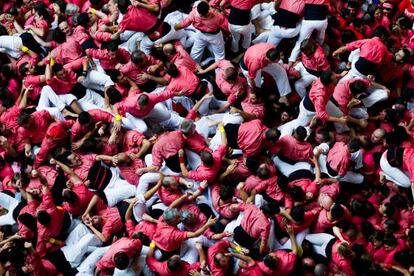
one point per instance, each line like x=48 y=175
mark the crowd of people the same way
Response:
x=182 y=137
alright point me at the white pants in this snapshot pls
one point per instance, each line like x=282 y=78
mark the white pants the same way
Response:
x=394 y=174
x=97 y=80
x=214 y=42
x=288 y=245
x=118 y=189
x=147 y=44
x=279 y=75
x=87 y=267
x=319 y=242
x=305 y=80
x=133 y=123
x=306 y=30
x=48 y=98
x=287 y=169
x=278 y=33
x=92 y=100
x=236 y=32
x=350 y=176
x=11 y=45
x=204 y=127
x=76 y=244
x=9 y=203
x=130 y=39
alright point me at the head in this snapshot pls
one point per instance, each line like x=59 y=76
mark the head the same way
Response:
x=121 y=260
x=169 y=50
x=298 y=213
x=187 y=127
x=230 y=74
x=221 y=260
x=377 y=238
x=387 y=209
x=113 y=94
x=336 y=211
x=11 y=14
x=207 y=158
x=24 y=120
x=358 y=87
x=85 y=119
x=354 y=145
x=203 y=9
x=142 y=101
x=382 y=33
x=172 y=70
x=74 y=159
x=328 y=78
x=402 y=55
x=271 y=261
x=263 y=171
x=226 y=193
x=273 y=55
x=59 y=72
x=345 y=251
x=41 y=14
x=43 y=217
x=174 y=263
x=97 y=221
x=65 y=28
x=308 y=47
x=172 y=216
x=187 y=217
x=170 y=183
x=69 y=196
x=272 y=135
x=300 y=133
x=390 y=242
x=138 y=57
x=58 y=36
x=387 y=8
x=112 y=47
x=83 y=20
x=270 y=209
x=377 y=137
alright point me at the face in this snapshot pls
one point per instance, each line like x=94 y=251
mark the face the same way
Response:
x=74 y=159
x=253 y=99
x=377 y=137
x=30 y=68
x=37 y=17
x=319 y=138
x=398 y=56
x=221 y=260
x=65 y=28
x=9 y=17
x=61 y=74
x=378 y=14
x=284 y=117
x=352 y=11
x=96 y=220
x=386 y=11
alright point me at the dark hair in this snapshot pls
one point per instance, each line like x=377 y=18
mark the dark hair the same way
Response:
x=398 y=201
x=381 y=32
x=172 y=70
x=69 y=196
x=89 y=146
x=226 y=192
x=326 y=77
x=358 y=87
x=82 y=19
x=392 y=225
x=301 y=133
x=12 y=11
x=174 y=264
x=390 y=240
x=43 y=12
x=270 y=208
x=57 y=68
x=121 y=260
x=272 y=134
x=308 y=46
x=207 y=158
x=273 y=54
x=113 y=94
x=297 y=193
x=143 y=100
x=252 y=164
x=297 y=213
x=263 y=172
x=354 y=145
x=389 y=210
x=23 y=69
x=27 y=220
x=23 y=118
x=378 y=235
x=347 y=36
x=113 y=74
x=58 y=36
x=203 y=8
x=43 y=217
x=84 y=118
x=112 y=46
x=337 y=211
x=137 y=57
x=270 y=262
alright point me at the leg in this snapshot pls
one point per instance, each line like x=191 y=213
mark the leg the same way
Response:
x=280 y=76
x=235 y=37
x=394 y=174
x=217 y=45
x=133 y=123
x=198 y=47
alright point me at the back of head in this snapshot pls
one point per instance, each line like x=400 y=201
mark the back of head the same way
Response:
x=273 y=54
x=171 y=215
x=69 y=196
x=84 y=118
x=298 y=213
x=270 y=208
x=301 y=133
x=121 y=260
x=326 y=77
x=381 y=32
x=112 y=46
x=297 y=193
x=58 y=36
x=114 y=95
x=270 y=262
x=138 y=57
x=174 y=263
x=358 y=87
x=23 y=118
x=186 y=126
x=203 y=8
x=43 y=217
x=337 y=211
x=354 y=145
x=172 y=70
x=308 y=46
x=143 y=100
x=207 y=158
x=82 y=19
x=272 y=134
x=226 y=192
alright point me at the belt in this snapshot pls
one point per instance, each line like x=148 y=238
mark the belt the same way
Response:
x=243 y=65
x=331 y=171
x=313 y=72
x=212 y=33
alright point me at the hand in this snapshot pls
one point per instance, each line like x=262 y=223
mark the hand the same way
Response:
x=194 y=272
x=143 y=76
x=117 y=126
x=81 y=79
x=227 y=234
x=207 y=96
x=354 y=102
x=231 y=168
x=28 y=151
x=152 y=69
x=234 y=110
x=181 y=153
x=336 y=53
x=3 y=141
x=289 y=230
x=198 y=246
x=211 y=221
x=240 y=186
x=77 y=145
x=343 y=120
x=115 y=160
x=204 y=184
x=363 y=123
x=181 y=92
x=140 y=171
x=101 y=131
x=34 y=173
x=371 y=77
x=27 y=89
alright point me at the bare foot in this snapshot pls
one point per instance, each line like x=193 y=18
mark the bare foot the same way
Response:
x=67 y=113
x=284 y=100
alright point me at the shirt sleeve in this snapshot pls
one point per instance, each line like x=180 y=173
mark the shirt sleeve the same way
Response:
x=188 y=20
x=320 y=109
x=154 y=265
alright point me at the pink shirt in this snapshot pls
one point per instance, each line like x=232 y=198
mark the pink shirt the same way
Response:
x=319 y=95
x=343 y=95
x=108 y=62
x=294 y=6
x=87 y=160
x=339 y=158
x=223 y=209
x=79 y=34
x=132 y=70
x=9 y=117
x=210 y=24
x=84 y=197
x=285 y=264
x=133 y=140
x=204 y=172
x=317 y=62
x=130 y=104
x=35 y=82
x=68 y=52
x=60 y=86
x=295 y=150
x=132 y=247
x=137 y=19
x=229 y=88
x=182 y=58
x=196 y=142
x=251 y=137
x=186 y=79
x=255 y=58
x=97 y=115
x=340 y=263
x=219 y=247
x=35 y=133
x=161 y=268
x=167 y=145
x=112 y=221
x=143 y=226
x=408 y=162
x=371 y=49
x=243 y=4
x=167 y=237
x=254 y=222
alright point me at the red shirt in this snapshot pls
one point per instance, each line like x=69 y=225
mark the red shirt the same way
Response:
x=112 y=221
x=210 y=24
x=98 y=115
x=106 y=61
x=130 y=104
x=132 y=70
x=161 y=268
x=317 y=62
x=143 y=226
x=167 y=146
x=223 y=209
x=182 y=58
x=9 y=117
x=219 y=247
x=60 y=86
x=186 y=79
x=204 y=172
x=82 y=202
x=340 y=263
x=343 y=95
x=339 y=158
x=292 y=148
x=255 y=58
x=168 y=237
x=319 y=94
x=254 y=222
x=294 y=6
x=371 y=49
x=408 y=162
x=251 y=137
x=87 y=160
x=196 y=142
x=132 y=247
x=285 y=264
x=36 y=131
x=137 y=19
x=67 y=52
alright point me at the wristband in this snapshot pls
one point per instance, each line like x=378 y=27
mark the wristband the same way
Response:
x=238 y=248
x=152 y=245
x=52 y=62
x=118 y=118
x=181 y=159
x=200 y=189
x=92 y=10
x=84 y=73
x=24 y=49
x=52 y=240
x=221 y=129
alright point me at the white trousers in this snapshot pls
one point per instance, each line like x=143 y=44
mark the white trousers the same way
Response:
x=288 y=245
x=305 y=80
x=147 y=44
x=287 y=169
x=92 y=100
x=97 y=80
x=278 y=33
x=319 y=242
x=236 y=32
x=396 y=175
x=118 y=189
x=9 y=203
x=350 y=176
x=48 y=98
x=87 y=267
x=214 y=42
x=306 y=30
x=133 y=123
x=77 y=243
x=11 y=45
x=130 y=40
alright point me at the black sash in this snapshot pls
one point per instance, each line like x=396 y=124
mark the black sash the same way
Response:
x=313 y=72
x=331 y=171
x=239 y=17
x=285 y=18
x=99 y=176
x=232 y=133
x=308 y=104
x=315 y=12
x=300 y=174
x=395 y=156
x=365 y=66
x=243 y=65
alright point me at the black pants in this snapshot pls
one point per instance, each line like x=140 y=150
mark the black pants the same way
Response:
x=58 y=259
x=242 y=238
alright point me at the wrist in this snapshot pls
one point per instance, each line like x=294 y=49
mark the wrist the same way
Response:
x=118 y=118
x=152 y=245
x=181 y=159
